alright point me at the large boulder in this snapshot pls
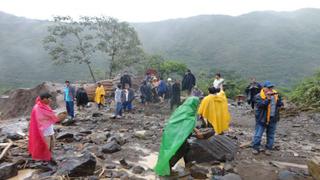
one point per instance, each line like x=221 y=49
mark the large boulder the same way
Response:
x=216 y=148
x=78 y=166
x=8 y=170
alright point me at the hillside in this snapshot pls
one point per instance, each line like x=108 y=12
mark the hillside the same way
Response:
x=280 y=46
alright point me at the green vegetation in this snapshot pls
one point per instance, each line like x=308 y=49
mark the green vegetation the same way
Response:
x=307 y=93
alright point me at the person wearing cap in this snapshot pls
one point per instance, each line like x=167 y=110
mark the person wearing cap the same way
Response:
x=268 y=103
x=69 y=97
x=99 y=95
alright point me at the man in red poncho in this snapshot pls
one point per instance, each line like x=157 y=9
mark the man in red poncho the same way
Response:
x=41 y=128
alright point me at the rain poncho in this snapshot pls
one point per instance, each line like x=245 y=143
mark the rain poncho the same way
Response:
x=42 y=117
x=214 y=109
x=100 y=93
x=176 y=131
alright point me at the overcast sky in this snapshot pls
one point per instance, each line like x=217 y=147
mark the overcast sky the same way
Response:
x=146 y=10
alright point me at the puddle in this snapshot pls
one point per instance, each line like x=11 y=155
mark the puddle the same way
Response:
x=23 y=174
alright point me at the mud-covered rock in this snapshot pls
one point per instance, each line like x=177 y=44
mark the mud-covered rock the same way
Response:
x=111 y=147
x=138 y=170
x=8 y=170
x=198 y=172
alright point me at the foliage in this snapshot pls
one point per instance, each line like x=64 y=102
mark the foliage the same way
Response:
x=70 y=41
x=119 y=41
x=307 y=93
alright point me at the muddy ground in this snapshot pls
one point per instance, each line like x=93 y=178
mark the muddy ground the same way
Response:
x=139 y=135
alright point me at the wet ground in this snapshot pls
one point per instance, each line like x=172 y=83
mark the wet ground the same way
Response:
x=297 y=139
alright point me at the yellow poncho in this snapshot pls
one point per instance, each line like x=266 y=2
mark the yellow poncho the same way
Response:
x=214 y=109
x=100 y=93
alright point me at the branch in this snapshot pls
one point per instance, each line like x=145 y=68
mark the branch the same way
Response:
x=6 y=148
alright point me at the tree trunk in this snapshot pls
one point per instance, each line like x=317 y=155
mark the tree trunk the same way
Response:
x=91 y=72
x=111 y=66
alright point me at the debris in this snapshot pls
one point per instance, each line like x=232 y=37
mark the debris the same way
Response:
x=124 y=164
x=245 y=144
x=97 y=114
x=140 y=134
x=111 y=147
x=138 y=170
x=8 y=170
x=286 y=165
x=231 y=176
x=314 y=167
x=78 y=166
x=287 y=175
x=65 y=135
x=216 y=148
x=198 y=172
x=7 y=147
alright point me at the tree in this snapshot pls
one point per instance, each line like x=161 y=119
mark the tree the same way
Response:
x=119 y=41
x=70 y=41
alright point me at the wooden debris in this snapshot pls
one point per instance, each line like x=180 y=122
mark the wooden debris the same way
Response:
x=7 y=146
x=286 y=165
x=245 y=144
x=314 y=167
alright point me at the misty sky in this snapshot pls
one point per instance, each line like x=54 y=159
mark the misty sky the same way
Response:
x=146 y=10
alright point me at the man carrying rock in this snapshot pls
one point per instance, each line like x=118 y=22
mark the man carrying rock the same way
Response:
x=178 y=129
x=268 y=103
x=41 y=139
x=69 y=95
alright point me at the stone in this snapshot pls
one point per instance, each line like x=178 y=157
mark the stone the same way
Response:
x=314 y=167
x=97 y=114
x=110 y=166
x=120 y=140
x=15 y=136
x=111 y=147
x=140 y=134
x=138 y=170
x=124 y=164
x=217 y=171
x=228 y=168
x=216 y=148
x=198 y=172
x=86 y=132
x=8 y=170
x=98 y=138
x=287 y=175
x=78 y=166
x=68 y=122
x=65 y=135
x=231 y=176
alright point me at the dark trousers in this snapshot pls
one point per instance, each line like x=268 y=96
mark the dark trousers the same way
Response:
x=270 y=128
x=182 y=151
x=70 y=108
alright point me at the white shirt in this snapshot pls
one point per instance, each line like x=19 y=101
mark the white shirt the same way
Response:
x=217 y=83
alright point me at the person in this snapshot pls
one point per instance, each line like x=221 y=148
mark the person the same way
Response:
x=188 y=81
x=214 y=110
x=178 y=129
x=148 y=77
x=252 y=90
x=100 y=95
x=146 y=93
x=69 y=95
x=175 y=95
x=162 y=89
x=196 y=92
x=81 y=97
x=118 y=102
x=128 y=97
x=169 y=89
x=154 y=90
x=268 y=103
x=41 y=133
x=125 y=79
x=218 y=82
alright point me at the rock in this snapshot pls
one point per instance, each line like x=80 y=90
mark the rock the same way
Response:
x=140 y=134
x=124 y=164
x=68 y=122
x=78 y=166
x=86 y=132
x=8 y=170
x=198 y=172
x=120 y=140
x=231 y=176
x=98 y=138
x=93 y=178
x=65 y=135
x=287 y=175
x=138 y=170
x=110 y=166
x=314 y=167
x=15 y=136
x=216 y=148
x=228 y=168
x=111 y=147
x=217 y=171
x=97 y=114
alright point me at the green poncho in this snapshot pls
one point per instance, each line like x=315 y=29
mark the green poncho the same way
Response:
x=176 y=131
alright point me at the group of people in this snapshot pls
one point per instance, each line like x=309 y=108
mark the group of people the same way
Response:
x=212 y=110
